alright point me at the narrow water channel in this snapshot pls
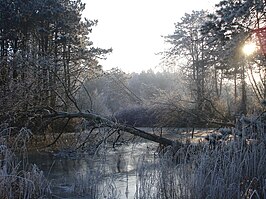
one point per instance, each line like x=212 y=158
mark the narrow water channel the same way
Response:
x=110 y=173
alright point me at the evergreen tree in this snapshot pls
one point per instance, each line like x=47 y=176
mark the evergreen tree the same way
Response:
x=193 y=55
x=45 y=51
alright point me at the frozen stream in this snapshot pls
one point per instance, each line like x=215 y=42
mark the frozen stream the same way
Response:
x=109 y=173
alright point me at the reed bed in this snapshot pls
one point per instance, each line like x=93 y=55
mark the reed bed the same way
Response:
x=232 y=169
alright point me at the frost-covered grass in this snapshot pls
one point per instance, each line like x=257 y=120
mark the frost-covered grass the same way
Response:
x=232 y=169
x=17 y=178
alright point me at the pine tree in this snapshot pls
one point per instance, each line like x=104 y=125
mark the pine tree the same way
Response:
x=45 y=52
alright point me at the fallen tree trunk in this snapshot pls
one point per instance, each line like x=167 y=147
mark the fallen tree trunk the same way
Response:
x=104 y=122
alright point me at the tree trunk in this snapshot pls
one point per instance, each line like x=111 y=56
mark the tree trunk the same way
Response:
x=104 y=122
x=243 y=92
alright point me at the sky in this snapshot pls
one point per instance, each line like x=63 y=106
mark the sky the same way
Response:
x=134 y=29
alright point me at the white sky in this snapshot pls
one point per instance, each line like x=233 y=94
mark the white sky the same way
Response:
x=133 y=28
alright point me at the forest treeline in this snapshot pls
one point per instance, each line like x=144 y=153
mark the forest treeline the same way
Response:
x=156 y=99
x=49 y=63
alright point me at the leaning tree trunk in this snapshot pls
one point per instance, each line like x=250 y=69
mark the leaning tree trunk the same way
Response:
x=104 y=122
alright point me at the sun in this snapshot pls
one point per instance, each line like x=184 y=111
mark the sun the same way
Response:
x=249 y=48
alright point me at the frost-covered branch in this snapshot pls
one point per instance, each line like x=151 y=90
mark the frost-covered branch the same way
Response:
x=105 y=122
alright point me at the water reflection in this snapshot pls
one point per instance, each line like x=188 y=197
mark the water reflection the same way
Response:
x=110 y=170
